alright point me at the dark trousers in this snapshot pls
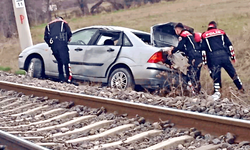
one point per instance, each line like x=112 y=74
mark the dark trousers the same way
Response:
x=61 y=53
x=194 y=71
x=218 y=60
x=194 y=74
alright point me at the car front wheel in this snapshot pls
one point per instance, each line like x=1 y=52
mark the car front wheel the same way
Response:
x=121 y=78
x=35 y=69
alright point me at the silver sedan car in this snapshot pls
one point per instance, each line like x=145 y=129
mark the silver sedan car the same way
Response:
x=118 y=56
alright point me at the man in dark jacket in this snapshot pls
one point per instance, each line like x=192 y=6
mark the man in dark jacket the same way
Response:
x=191 y=49
x=57 y=35
x=217 y=52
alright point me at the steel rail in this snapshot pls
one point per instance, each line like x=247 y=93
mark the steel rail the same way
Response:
x=215 y=125
x=14 y=143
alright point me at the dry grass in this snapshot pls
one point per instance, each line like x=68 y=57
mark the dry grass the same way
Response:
x=9 y=53
x=232 y=15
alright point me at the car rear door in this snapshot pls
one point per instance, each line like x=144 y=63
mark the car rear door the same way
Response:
x=102 y=53
x=78 y=45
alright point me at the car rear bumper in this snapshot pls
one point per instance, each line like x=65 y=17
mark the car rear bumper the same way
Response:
x=149 y=76
x=150 y=83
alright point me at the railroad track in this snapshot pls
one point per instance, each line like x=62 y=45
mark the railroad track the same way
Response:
x=46 y=122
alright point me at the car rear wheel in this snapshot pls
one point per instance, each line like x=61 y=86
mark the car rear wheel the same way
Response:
x=121 y=78
x=35 y=69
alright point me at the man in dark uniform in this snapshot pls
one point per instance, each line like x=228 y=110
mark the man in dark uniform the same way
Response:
x=57 y=35
x=191 y=49
x=197 y=38
x=217 y=50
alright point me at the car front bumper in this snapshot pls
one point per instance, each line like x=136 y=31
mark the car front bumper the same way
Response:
x=21 y=62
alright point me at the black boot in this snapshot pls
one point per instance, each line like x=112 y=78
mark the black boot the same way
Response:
x=73 y=82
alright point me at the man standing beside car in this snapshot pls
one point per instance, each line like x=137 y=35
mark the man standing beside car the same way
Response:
x=217 y=50
x=191 y=49
x=57 y=35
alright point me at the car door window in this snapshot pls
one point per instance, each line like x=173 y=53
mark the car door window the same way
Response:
x=108 y=38
x=82 y=37
x=113 y=40
x=103 y=40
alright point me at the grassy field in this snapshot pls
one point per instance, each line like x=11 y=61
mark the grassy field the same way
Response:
x=233 y=16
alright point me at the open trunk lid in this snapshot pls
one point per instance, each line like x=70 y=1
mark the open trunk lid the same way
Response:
x=163 y=35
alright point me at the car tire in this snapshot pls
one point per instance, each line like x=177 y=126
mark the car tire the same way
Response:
x=121 y=78
x=35 y=69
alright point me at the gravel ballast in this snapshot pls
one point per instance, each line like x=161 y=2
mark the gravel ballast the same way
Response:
x=201 y=103
x=166 y=128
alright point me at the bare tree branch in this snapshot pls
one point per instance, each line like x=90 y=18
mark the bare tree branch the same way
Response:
x=116 y=5
x=83 y=6
x=94 y=8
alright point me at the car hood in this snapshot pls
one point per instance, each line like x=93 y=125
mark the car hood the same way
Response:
x=163 y=35
x=37 y=46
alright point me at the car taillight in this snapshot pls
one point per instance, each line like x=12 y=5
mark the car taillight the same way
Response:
x=157 y=57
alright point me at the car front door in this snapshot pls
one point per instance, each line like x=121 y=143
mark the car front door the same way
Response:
x=103 y=51
x=78 y=45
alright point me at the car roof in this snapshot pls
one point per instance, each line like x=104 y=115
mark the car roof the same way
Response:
x=114 y=28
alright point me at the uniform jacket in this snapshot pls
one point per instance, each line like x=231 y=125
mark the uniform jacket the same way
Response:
x=187 y=44
x=197 y=37
x=215 y=40
x=57 y=29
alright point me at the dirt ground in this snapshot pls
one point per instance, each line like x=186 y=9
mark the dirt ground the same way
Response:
x=233 y=16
